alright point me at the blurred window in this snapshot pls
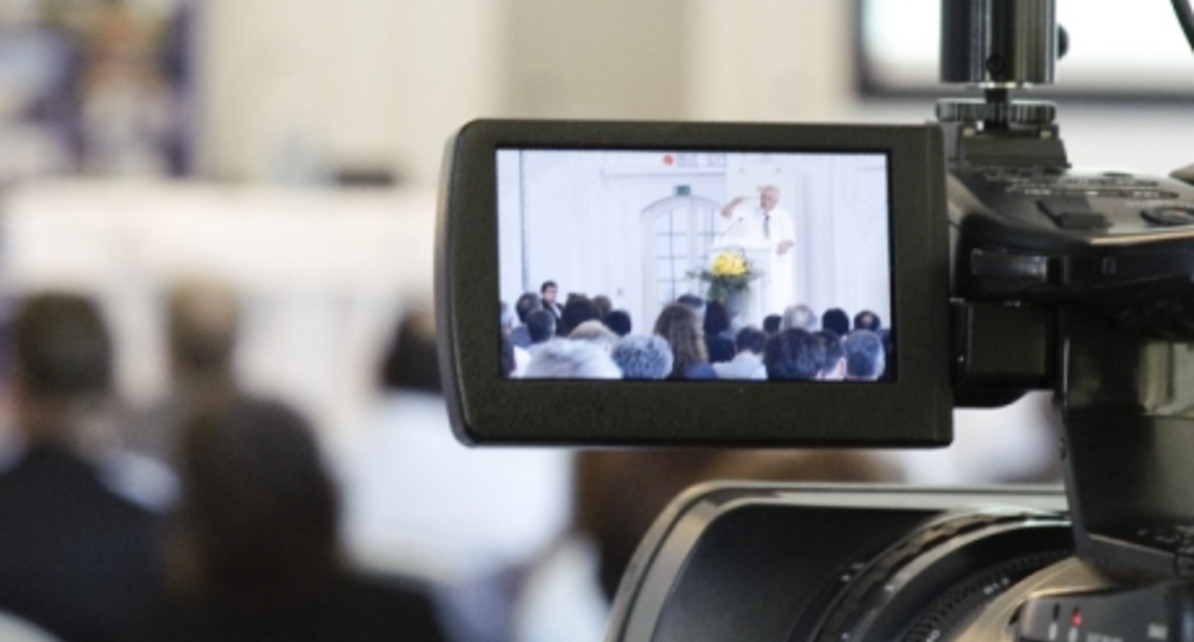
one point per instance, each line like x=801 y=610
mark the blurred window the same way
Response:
x=1116 y=48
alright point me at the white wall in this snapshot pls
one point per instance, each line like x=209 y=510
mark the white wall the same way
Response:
x=372 y=83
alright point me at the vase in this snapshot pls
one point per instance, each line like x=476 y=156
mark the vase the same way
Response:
x=736 y=301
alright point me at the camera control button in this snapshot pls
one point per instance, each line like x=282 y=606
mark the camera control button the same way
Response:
x=1169 y=215
x=1073 y=214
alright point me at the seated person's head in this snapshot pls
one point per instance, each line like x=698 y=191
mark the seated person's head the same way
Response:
x=834 y=368
x=527 y=303
x=771 y=323
x=678 y=324
x=541 y=326
x=792 y=354
x=603 y=304
x=568 y=359
x=643 y=357
x=258 y=510
x=576 y=311
x=867 y=320
x=799 y=316
x=62 y=356
x=865 y=359
x=836 y=321
x=204 y=320
x=596 y=333
x=696 y=303
x=750 y=339
x=618 y=321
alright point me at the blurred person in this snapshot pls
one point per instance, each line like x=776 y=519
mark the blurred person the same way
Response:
x=541 y=327
x=799 y=316
x=678 y=324
x=836 y=321
x=576 y=311
x=643 y=357
x=619 y=322
x=547 y=298
x=527 y=303
x=765 y=221
x=748 y=362
x=833 y=367
x=867 y=320
x=864 y=356
x=793 y=354
x=596 y=333
x=254 y=549
x=570 y=359
x=772 y=323
x=508 y=360
x=521 y=356
x=203 y=320
x=77 y=557
x=603 y=304
x=716 y=325
x=696 y=303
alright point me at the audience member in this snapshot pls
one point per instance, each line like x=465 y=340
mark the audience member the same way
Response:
x=203 y=324
x=541 y=327
x=547 y=298
x=619 y=322
x=696 y=303
x=677 y=324
x=799 y=316
x=568 y=359
x=521 y=356
x=412 y=361
x=254 y=551
x=772 y=323
x=792 y=354
x=836 y=321
x=526 y=304
x=748 y=362
x=719 y=347
x=834 y=368
x=643 y=357
x=596 y=333
x=867 y=320
x=507 y=361
x=76 y=558
x=864 y=356
x=603 y=305
x=577 y=310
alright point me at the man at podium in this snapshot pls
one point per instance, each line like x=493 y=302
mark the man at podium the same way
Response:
x=765 y=224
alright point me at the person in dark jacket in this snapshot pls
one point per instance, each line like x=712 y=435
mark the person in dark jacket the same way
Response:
x=254 y=550
x=77 y=558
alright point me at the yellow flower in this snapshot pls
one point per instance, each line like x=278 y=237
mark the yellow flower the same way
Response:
x=729 y=264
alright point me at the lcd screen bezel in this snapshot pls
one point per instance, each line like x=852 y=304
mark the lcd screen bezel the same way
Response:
x=485 y=407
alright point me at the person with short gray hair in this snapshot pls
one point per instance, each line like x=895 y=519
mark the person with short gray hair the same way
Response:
x=643 y=356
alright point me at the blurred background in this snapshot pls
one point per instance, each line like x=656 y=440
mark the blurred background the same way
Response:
x=290 y=150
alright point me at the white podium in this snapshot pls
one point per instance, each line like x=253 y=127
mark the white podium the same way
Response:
x=760 y=254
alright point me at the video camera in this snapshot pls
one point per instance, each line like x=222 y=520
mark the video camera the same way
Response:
x=999 y=269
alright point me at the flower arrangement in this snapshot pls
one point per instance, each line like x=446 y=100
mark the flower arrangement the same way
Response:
x=728 y=275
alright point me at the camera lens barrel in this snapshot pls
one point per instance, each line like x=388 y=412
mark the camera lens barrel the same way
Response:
x=999 y=43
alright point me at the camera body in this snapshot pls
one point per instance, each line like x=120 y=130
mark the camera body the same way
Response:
x=1007 y=270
